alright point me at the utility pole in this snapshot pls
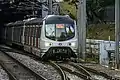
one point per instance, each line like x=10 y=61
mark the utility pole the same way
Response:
x=81 y=16
x=79 y=29
x=117 y=31
x=50 y=7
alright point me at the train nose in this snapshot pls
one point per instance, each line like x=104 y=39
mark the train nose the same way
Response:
x=60 y=52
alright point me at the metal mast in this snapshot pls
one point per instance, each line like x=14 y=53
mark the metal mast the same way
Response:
x=117 y=31
x=82 y=27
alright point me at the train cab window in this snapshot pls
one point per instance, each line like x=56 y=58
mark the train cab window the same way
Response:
x=50 y=31
x=60 y=32
x=59 y=28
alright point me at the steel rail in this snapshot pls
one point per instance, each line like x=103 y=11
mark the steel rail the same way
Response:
x=10 y=74
x=80 y=68
x=33 y=72
x=75 y=73
x=96 y=72
x=64 y=77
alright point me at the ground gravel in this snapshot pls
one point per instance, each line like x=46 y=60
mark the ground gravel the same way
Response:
x=3 y=74
x=46 y=71
x=93 y=75
x=104 y=69
x=72 y=77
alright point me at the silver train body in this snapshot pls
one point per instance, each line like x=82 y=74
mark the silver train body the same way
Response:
x=53 y=36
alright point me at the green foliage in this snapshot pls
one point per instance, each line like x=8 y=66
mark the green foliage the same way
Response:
x=101 y=31
x=66 y=0
x=95 y=8
x=69 y=9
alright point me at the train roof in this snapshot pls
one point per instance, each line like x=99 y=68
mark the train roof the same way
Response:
x=26 y=20
x=9 y=24
x=49 y=19
x=18 y=23
x=58 y=19
x=35 y=21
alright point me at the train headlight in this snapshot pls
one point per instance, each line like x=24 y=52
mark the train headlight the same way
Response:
x=48 y=44
x=73 y=44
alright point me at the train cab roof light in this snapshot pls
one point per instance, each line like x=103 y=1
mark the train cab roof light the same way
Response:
x=67 y=15
x=47 y=17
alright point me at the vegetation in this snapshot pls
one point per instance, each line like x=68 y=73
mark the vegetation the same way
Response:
x=95 y=10
x=69 y=9
x=101 y=32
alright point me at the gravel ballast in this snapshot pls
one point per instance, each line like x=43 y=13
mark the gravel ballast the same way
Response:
x=100 y=68
x=45 y=70
x=3 y=74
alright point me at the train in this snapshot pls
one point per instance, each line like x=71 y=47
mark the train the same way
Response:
x=52 y=37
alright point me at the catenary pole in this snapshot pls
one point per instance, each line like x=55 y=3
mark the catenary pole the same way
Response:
x=79 y=29
x=50 y=7
x=117 y=31
x=81 y=16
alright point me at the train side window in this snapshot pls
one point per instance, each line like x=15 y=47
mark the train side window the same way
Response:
x=25 y=31
x=21 y=30
x=18 y=36
x=36 y=28
x=31 y=31
x=34 y=34
x=28 y=31
x=39 y=31
x=36 y=31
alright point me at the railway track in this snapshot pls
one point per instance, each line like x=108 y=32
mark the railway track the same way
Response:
x=75 y=70
x=61 y=71
x=11 y=76
x=16 y=70
x=92 y=72
x=95 y=72
x=78 y=70
x=67 y=73
x=64 y=77
x=83 y=72
x=35 y=67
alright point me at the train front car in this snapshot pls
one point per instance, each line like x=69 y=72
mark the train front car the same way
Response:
x=59 y=38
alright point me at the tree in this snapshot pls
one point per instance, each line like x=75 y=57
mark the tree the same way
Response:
x=95 y=8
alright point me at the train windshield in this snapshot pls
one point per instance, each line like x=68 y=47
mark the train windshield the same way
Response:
x=59 y=32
